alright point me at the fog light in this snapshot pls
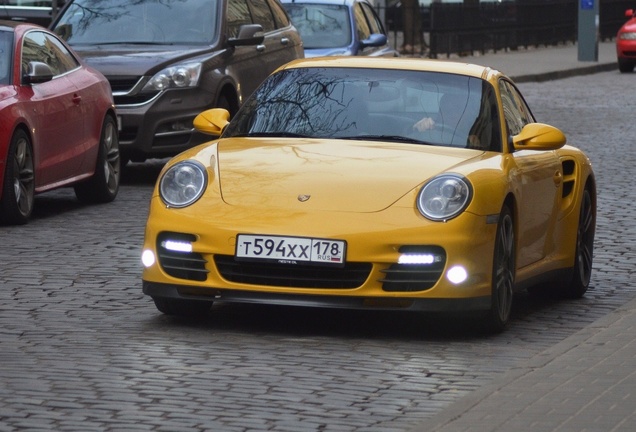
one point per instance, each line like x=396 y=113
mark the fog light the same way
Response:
x=148 y=258
x=457 y=274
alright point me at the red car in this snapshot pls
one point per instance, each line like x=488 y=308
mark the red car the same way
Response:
x=626 y=43
x=57 y=123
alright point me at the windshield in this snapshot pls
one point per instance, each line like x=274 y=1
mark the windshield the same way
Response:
x=6 y=56
x=373 y=104
x=190 y=22
x=321 y=25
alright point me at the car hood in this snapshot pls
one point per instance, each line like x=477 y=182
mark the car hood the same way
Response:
x=629 y=26
x=330 y=175
x=129 y=59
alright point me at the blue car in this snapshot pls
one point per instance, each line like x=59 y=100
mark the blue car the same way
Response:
x=339 y=27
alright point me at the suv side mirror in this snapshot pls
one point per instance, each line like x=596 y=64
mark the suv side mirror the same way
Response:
x=248 y=36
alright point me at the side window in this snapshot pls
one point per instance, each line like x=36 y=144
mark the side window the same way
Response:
x=280 y=16
x=41 y=47
x=361 y=21
x=238 y=14
x=516 y=112
x=486 y=126
x=262 y=14
x=375 y=24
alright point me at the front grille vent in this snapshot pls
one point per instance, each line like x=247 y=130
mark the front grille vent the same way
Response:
x=415 y=277
x=182 y=265
x=123 y=84
x=352 y=275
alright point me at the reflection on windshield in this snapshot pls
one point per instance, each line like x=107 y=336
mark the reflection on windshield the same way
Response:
x=6 y=56
x=139 y=22
x=391 y=105
x=321 y=25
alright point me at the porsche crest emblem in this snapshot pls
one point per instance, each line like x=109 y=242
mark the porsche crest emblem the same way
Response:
x=303 y=198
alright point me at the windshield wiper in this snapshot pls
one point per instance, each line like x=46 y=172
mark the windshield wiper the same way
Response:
x=270 y=134
x=398 y=138
x=128 y=43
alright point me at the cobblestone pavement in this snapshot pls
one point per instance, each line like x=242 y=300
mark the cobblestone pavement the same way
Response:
x=81 y=349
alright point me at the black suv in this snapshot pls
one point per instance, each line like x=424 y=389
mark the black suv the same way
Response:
x=169 y=60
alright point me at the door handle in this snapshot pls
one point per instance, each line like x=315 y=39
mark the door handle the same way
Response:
x=77 y=99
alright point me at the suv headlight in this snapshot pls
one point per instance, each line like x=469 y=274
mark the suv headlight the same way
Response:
x=444 y=197
x=183 y=183
x=178 y=76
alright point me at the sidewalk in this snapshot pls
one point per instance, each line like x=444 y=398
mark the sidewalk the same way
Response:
x=587 y=382
x=544 y=63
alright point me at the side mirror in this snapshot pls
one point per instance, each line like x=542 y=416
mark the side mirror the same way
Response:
x=539 y=136
x=629 y=13
x=37 y=73
x=374 y=40
x=212 y=121
x=248 y=35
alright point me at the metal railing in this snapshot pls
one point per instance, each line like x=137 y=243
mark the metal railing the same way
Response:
x=457 y=28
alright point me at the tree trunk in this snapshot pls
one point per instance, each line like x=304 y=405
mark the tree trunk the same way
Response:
x=413 y=36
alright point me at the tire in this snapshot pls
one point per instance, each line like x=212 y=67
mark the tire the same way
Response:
x=584 y=253
x=103 y=186
x=503 y=273
x=625 y=66
x=184 y=308
x=18 y=191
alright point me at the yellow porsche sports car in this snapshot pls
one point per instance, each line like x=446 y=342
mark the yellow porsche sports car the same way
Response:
x=373 y=183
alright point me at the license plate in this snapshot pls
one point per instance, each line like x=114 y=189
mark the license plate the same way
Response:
x=290 y=250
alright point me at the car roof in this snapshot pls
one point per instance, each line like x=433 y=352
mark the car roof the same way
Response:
x=406 y=63
x=8 y=25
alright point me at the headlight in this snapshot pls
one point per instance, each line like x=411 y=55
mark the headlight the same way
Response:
x=444 y=197
x=183 y=184
x=627 y=36
x=179 y=76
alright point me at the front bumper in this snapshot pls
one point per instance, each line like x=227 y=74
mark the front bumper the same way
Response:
x=162 y=126
x=169 y=291
x=375 y=243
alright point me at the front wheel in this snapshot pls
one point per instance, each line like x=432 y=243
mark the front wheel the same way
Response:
x=503 y=273
x=103 y=186
x=18 y=192
x=584 y=249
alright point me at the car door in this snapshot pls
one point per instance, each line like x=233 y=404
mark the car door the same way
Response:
x=282 y=44
x=59 y=123
x=536 y=174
